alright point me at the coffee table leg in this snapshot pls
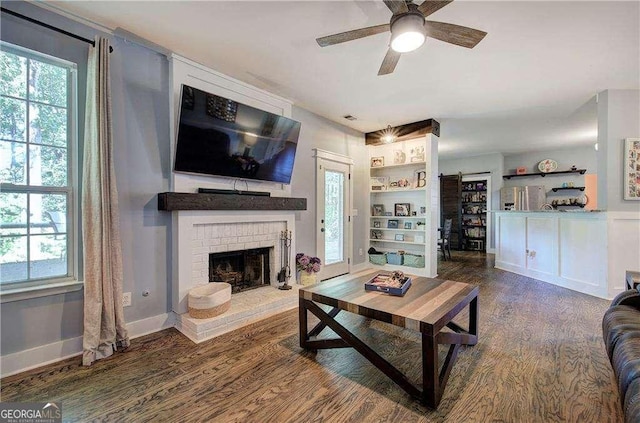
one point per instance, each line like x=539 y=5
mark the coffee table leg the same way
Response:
x=302 y=315
x=473 y=317
x=430 y=378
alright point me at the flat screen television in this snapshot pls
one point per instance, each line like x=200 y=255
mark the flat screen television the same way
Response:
x=218 y=136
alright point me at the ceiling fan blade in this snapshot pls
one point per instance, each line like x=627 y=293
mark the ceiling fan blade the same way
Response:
x=431 y=6
x=342 y=37
x=389 y=63
x=454 y=34
x=397 y=6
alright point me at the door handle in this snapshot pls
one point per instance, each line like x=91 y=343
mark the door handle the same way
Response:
x=321 y=229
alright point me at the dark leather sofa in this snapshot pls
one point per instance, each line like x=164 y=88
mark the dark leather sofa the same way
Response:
x=621 y=333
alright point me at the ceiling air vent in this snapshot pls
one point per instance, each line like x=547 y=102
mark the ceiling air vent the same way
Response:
x=349 y=117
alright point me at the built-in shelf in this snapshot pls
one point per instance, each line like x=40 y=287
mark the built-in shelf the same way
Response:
x=543 y=174
x=565 y=188
x=395 y=165
x=396 y=242
x=397 y=217
x=387 y=191
x=474 y=226
x=173 y=201
x=397 y=230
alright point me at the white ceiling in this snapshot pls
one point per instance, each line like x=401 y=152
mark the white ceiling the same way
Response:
x=528 y=85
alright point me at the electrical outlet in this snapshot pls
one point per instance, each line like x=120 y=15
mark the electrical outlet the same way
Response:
x=126 y=299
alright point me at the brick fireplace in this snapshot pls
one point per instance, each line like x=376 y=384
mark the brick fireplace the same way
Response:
x=199 y=234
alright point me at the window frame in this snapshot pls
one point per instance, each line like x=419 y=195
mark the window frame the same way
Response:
x=38 y=287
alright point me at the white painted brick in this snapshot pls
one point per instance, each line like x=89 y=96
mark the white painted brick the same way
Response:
x=200 y=232
x=261 y=237
x=235 y=247
x=218 y=249
x=214 y=241
x=196 y=243
x=233 y=230
x=215 y=231
x=199 y=265
x=230 y=240
x=249 y=245
x=226 y=231
x=245 y=238
x=200 y=250
x=197 y=258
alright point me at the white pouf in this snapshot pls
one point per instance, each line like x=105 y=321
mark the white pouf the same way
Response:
x=209 y=300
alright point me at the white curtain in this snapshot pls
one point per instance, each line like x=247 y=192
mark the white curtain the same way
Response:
x=104 y=326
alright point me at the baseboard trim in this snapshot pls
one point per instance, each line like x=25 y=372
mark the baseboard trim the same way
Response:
x=21 y=361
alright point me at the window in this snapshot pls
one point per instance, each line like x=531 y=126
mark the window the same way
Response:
x=37 y=169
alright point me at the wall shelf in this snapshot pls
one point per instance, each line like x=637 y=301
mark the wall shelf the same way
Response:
x=543 y=174
x=565 y=188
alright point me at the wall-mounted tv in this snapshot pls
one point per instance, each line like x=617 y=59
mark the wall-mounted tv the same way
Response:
x=218 y=136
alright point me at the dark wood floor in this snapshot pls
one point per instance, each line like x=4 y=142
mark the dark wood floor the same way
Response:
x=540 y=359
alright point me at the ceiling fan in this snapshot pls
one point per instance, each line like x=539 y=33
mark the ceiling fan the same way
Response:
x=409 y=29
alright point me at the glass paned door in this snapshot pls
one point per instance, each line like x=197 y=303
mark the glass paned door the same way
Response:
x=333 y=200
x=334 y=217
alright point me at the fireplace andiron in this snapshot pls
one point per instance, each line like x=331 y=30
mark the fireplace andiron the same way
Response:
x=285 y=272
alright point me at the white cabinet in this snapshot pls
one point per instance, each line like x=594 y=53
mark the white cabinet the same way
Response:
x=541 y=249
x=403 y=217
x=566 y=249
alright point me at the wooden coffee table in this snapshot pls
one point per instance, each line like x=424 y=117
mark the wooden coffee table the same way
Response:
x=428 y=307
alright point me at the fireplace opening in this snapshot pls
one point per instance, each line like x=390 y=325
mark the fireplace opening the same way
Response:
x=243 y=270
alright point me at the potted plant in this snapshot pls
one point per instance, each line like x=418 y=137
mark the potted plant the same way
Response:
x=307 y=267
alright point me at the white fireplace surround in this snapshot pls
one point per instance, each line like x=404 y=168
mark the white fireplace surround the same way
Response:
x=200 y=233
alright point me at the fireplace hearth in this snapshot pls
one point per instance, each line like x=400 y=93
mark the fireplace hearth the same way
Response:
x=243 y=270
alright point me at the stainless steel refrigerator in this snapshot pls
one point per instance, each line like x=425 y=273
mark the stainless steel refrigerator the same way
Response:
x=531 y=197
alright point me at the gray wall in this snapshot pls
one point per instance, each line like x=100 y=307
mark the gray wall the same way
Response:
x=618 y=118
x=318 y=132
x=141 y=149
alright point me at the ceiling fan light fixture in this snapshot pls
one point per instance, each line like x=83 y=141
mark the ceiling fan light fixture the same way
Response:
x=407 y=33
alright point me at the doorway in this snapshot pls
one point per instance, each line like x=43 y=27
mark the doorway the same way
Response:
x=333 y=213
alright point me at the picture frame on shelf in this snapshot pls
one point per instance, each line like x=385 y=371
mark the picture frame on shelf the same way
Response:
x=379 y=183
x=377 y=161
x=407 y=225
x=631 y=173
x=402 y=209
x=376 y=224
x=399 y=157
x=423 y=211
x=392 y=224
x=377 y=210
x=393 y=184
x=376 y=234
x=399 y=237
x=414 y=213
x=417 y=154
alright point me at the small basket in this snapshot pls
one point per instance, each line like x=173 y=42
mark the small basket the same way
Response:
x=209 y=300
x=413 y=260
x=394 y=258
x=380 y=259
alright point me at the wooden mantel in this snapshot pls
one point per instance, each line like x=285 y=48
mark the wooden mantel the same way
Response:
x=173 y=201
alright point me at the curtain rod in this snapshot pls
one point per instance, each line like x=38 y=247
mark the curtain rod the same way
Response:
x=465 y=174
x=51 y=27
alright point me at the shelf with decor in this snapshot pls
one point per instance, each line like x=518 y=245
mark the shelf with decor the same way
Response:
x=399 y=195
x=543 y=174
x=556 y=189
